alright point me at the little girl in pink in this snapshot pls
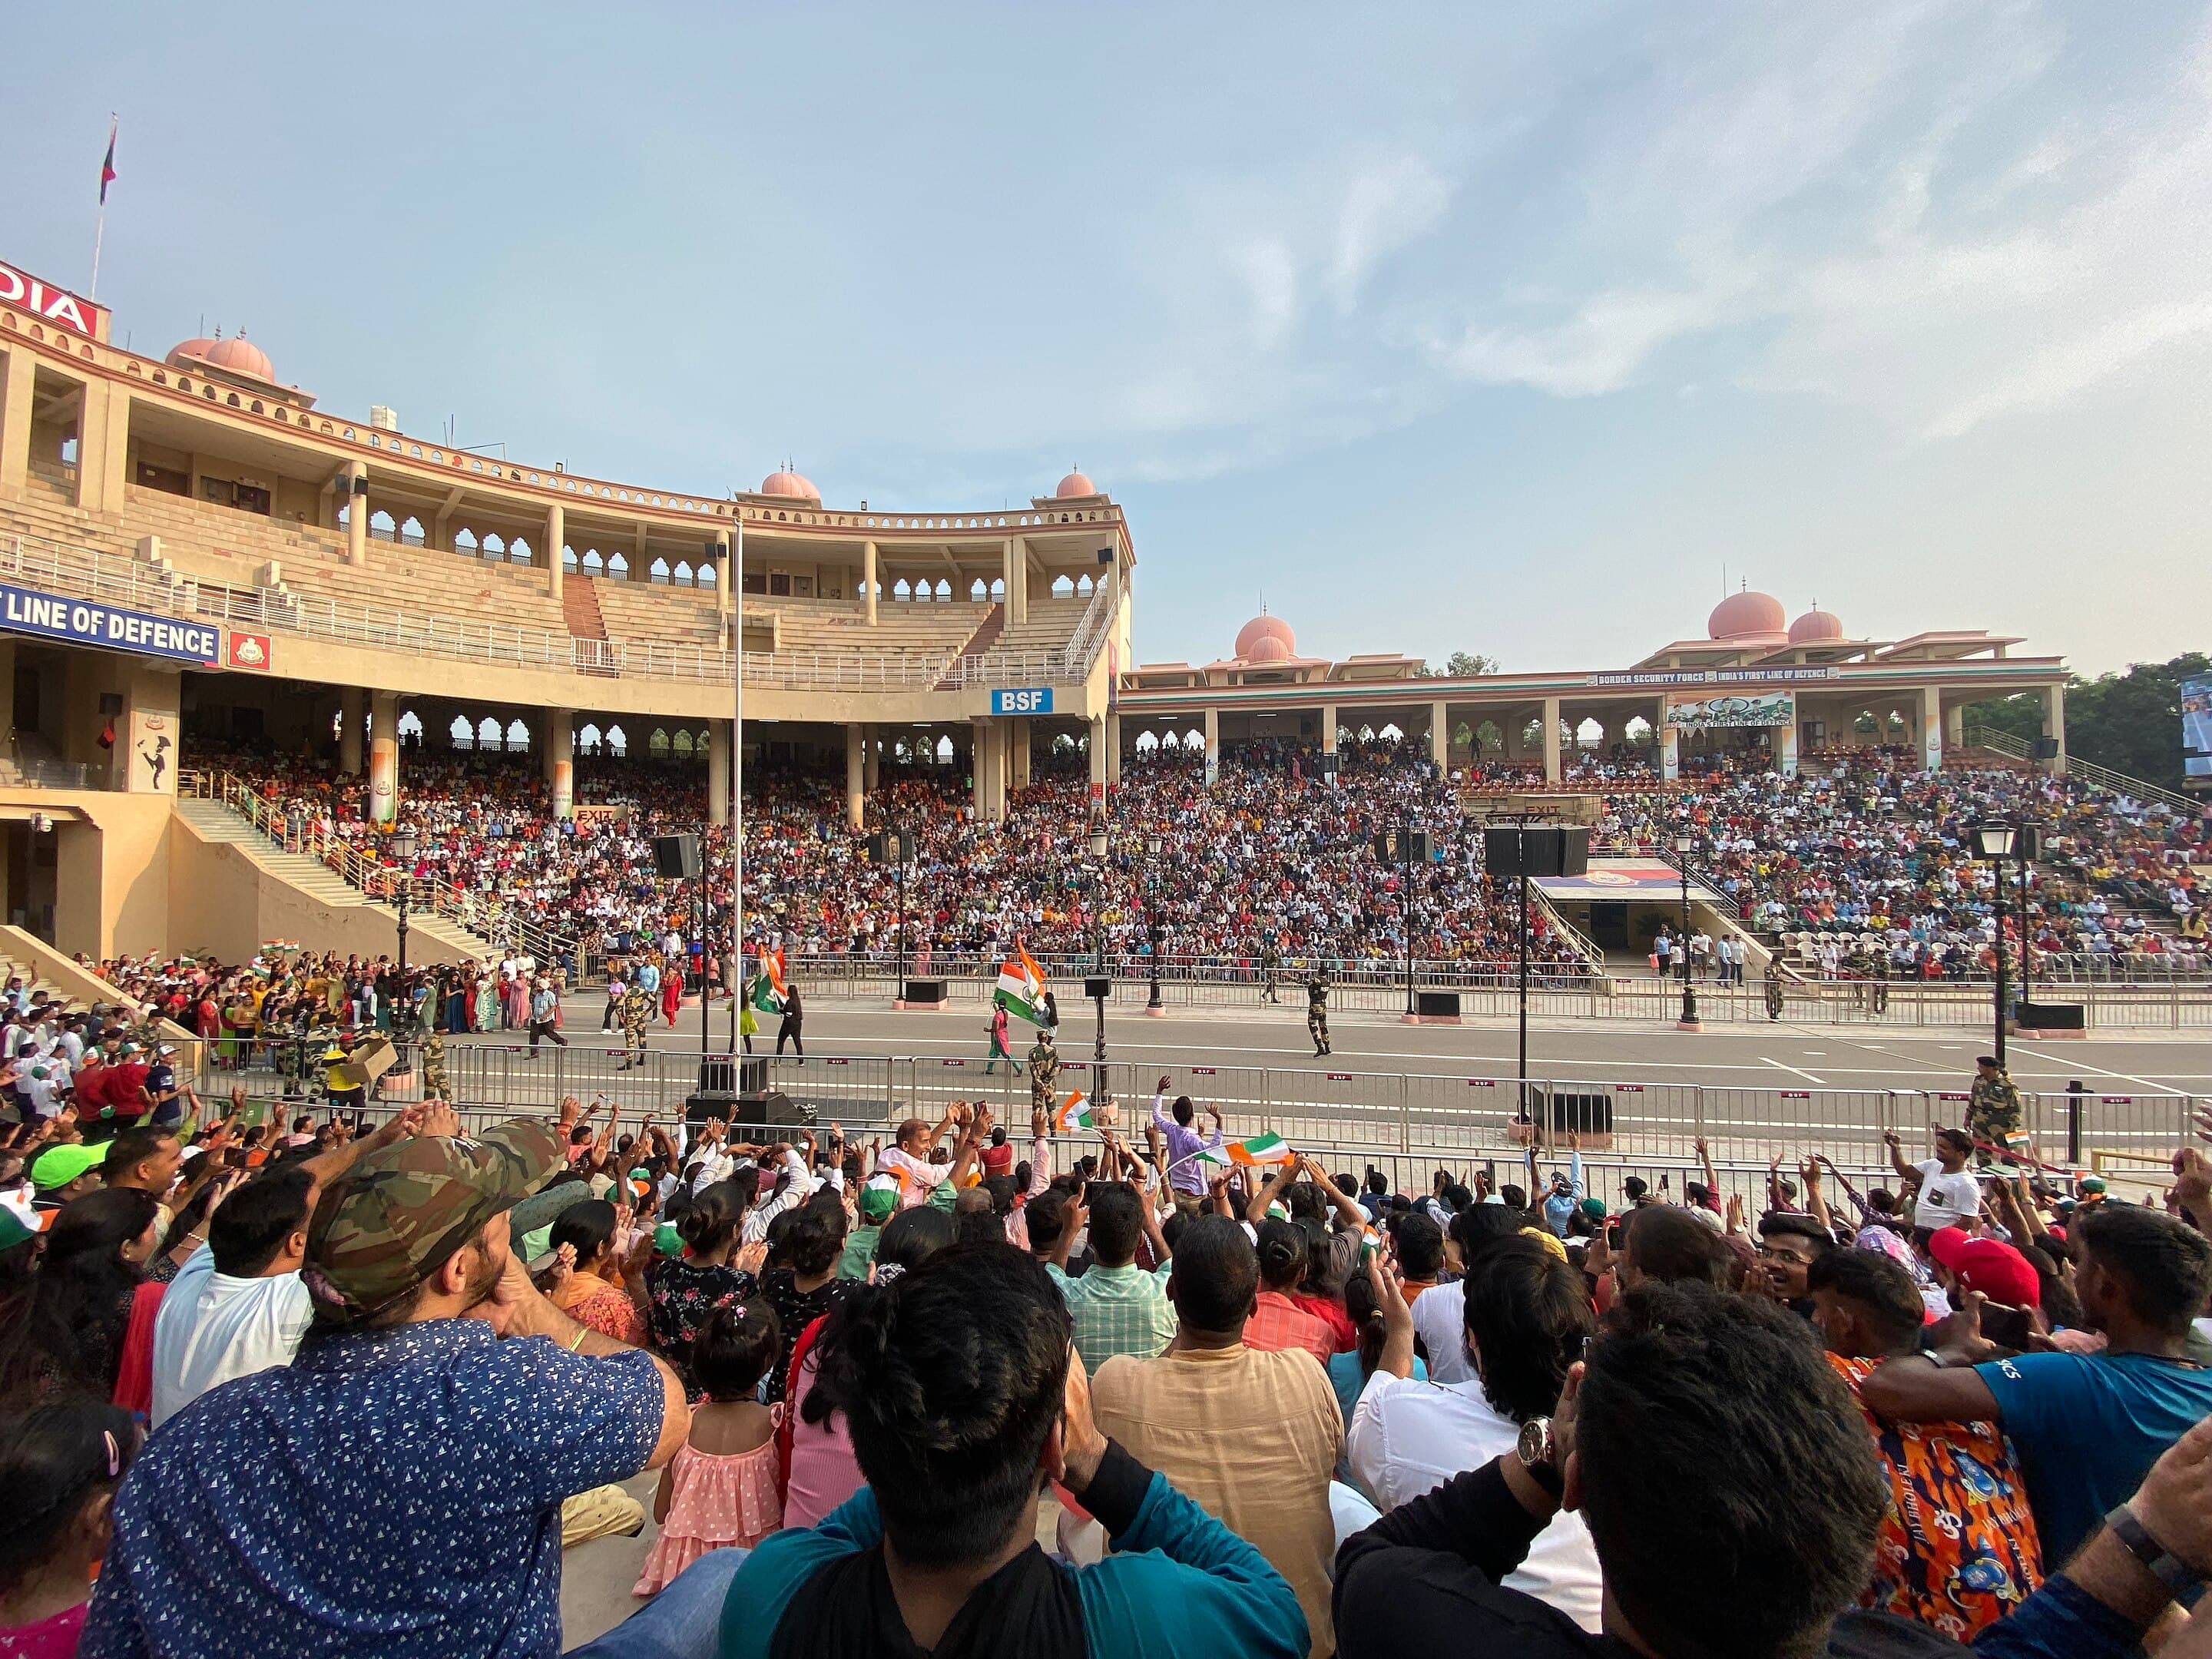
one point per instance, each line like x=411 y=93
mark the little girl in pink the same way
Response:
x=720 y=1488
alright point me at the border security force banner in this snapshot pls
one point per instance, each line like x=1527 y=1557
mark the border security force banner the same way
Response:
x=1716 y=713
x=80 y=622
x=2197 y=731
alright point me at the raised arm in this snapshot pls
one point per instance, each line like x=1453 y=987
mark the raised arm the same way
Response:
x=1347 y=1209
x=1255 y=1211
x=1897 y=1156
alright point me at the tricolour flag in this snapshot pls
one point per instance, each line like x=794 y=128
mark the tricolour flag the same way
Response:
x=1021 y=987
x=107 y=164
x=1260 y=1150
x=1074 y=1113
x=768 y=991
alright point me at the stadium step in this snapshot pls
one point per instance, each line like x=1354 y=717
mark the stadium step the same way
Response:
x=985 y=636
x=580 y=602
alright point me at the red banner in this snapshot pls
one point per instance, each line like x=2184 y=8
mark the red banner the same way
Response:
x=249 y=651
x=57 y=305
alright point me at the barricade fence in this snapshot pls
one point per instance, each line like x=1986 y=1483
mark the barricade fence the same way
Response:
x=1431 y=1117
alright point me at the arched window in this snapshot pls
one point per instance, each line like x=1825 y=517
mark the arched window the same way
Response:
x=1147 y=744
x=464 y=541
x=411 y=726
x=681 y=744
x=617 y=743
x=658 y=574
x=411 y=532
x=705 y=576
x=568 y=560
x=488 y=735
x=682 y=576
x=1194 y=739
x=1391 y=732
x=899 y=750
x=657 y=744
x=1062 y=588
x=1636 y=730
x=944 y=752
x=943 y=591
x=593 y=564
x=494 y=548
x=999 y=588
x=617 y=567
x=588 y=740
x=518 y=739
x=518 y=552
x=1083 y=588
x=460 y=733
x=380 y=527
x=1366 y=734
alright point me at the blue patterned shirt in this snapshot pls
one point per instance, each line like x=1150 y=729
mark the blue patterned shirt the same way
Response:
x=395 y=1493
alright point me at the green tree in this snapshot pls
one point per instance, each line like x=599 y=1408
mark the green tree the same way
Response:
x=1459 y=666
x=2130 y=722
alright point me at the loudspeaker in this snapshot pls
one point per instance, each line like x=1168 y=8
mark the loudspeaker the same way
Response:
x=1437 y=1005
x=1401 y=844
x=707 y=1104
x=2046 y=749
x=731 y=1074
x=1579 y=1114
x=1098 y=989
x=1550 y=849
x=676 y=858
x=923 y=990
x=2027 y=841
x=774 y=1109
x=891 y=847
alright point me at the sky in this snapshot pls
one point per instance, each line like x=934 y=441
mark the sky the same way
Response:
x=1528 y=330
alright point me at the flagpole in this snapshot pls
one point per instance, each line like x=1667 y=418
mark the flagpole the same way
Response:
x=738 y=779
x=98 y=235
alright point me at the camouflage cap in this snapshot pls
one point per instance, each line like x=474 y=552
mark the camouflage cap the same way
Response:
x=401 y=1211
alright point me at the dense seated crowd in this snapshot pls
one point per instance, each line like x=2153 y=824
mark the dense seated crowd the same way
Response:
x=304 y=1389
x=1878 y=855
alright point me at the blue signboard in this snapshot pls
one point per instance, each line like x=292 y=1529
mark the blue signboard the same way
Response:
x=1031 y=700
x=80 y=622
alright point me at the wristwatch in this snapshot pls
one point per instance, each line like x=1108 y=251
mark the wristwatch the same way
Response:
x=1535 y=1449
x=2182 y=1582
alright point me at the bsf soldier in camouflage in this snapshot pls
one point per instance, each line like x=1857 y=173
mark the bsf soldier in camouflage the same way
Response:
x=1993 y=1109
x=636 y=1009
x=409 y=1204
x=435 y=1083
x=291 y=1047
x=1317 y=1011
x=1044 y=1071
x=1271 y=964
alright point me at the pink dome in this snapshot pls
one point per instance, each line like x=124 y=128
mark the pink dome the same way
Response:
x=1075 y=484
x=1814 y=626
x=240 y=357
x=1268 y=648
x=198 y=348
x=789 y=483
x=1745 y=616
x=1273 y=628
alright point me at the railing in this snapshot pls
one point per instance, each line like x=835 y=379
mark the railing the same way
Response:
x=2101 y=777
x=135 y=584
x=58 y=775
x=484 y=915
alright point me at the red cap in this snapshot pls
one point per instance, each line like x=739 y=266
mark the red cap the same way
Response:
x=1996 y=1270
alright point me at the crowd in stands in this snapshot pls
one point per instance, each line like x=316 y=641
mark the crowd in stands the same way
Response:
x=308 y=1387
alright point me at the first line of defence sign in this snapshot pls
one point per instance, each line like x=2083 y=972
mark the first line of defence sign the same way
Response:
x=80 y=622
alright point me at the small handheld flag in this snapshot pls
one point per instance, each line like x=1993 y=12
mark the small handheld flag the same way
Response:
x=1260 y=1150
x=108 y=162
x=1074 y=1113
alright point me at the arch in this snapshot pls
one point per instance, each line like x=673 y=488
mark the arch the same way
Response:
x=657 y=744
x=464 y=541
x=1638 y=731
x=410 y=533
x=617 y=741
x=901 y=592
x=657 y=573
x=518 y=552
x=1147 y=744
x=568 y=560
x=593 y=564
x=1062 y=587
x=999 y=588
x=494 y=548
x=1195 y=740
x=1390 y=733
x=460 y=734
x=1084 y=588
x=588 y=740
x=977 y=592
x=681 y=744
x=488 y=735
x=681 y=576
x=518 y=738
x=617 y=567
x=1591 y=734
x=944 y=755
x=943 y=591
x=411 y=726
x=380 y=526
x=704 y=576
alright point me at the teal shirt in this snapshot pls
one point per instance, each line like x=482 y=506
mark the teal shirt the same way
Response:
x=1179 y=1583
x=860 y=1251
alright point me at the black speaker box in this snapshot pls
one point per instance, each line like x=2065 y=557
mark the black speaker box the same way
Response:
x=774 y=1109
x=1551 y=849
x=1437 y=1005
x=1097 y=989
x=723 y=1075
x=1579 y=1114
x=676 y=858
x=2046 y=749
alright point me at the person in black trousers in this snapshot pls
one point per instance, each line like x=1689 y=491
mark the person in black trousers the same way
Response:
x=794 y=1016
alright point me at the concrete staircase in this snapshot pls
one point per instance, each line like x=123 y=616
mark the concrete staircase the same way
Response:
x=985 y=636
x=215 y=822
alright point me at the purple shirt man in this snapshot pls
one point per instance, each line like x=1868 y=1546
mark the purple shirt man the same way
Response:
x=1185 y=1173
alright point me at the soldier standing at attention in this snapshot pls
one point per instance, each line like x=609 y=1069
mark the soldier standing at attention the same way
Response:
x=435 y=1085
x=1044 y=1071
x=1993 y=1113
x=1773 y=984
x=636 y=1009
x=1317 y=1011
x=1271 y=964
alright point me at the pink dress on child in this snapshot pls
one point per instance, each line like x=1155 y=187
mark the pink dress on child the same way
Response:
x=717 y=1501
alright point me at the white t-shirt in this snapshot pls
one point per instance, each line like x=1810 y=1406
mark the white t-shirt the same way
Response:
x=1406 y=1438
x=212 y=1327
x=1945 y=1199
x=1440 y=1321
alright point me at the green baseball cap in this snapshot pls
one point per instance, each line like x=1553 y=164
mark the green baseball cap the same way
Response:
x=401 y=1211
x=1593 y=1208
x=59 y=1165
x=877 y=1203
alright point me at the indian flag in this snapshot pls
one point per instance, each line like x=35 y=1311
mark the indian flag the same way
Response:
x=1074 y=1113
x=1260 y=1150
x=1021 y=987
x=767 y=984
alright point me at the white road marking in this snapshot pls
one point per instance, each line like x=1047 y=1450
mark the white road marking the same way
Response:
x=1807 y=1076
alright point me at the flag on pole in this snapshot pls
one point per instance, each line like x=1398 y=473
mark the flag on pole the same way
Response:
x=1021 y=987
x=1260 y=1150
x=768 y=993
x=107 y=163
x=1074 y=1113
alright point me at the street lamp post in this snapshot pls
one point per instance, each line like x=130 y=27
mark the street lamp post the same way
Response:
x=1153 y=932
x=1096 y=870
x=1684 y=846
x=1994 y=840
x=403 y=854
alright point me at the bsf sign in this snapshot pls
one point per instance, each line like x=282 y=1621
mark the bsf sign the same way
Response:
x=49 y=304
x=1032 y=699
